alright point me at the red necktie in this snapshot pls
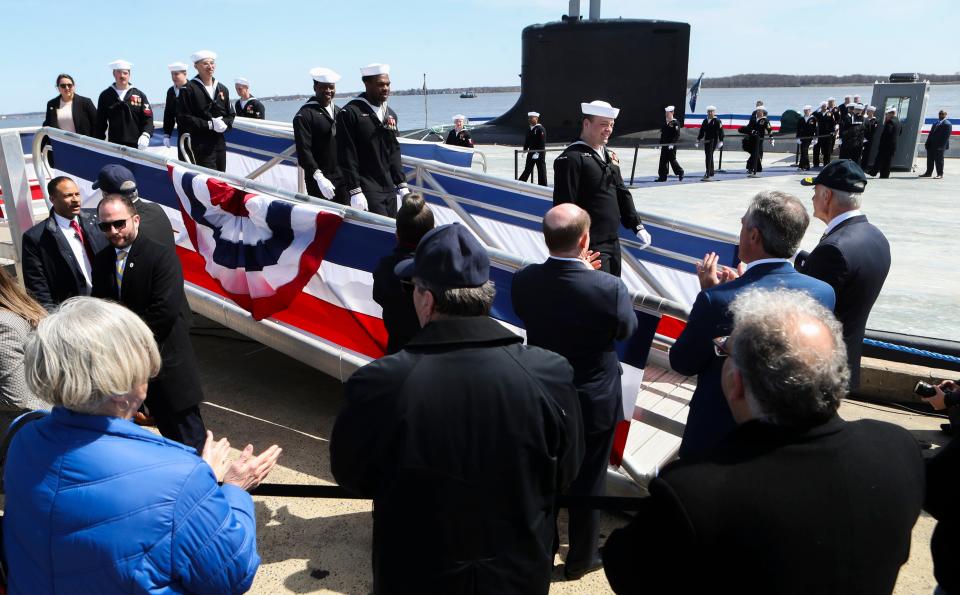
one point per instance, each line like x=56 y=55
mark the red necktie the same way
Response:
x=83 y=241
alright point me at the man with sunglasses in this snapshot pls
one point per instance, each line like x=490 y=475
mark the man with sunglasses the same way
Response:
x=114 y=178
x=146 y=277
x=770 y=233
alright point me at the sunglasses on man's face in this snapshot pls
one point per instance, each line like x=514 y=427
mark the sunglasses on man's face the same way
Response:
x=66 y=85
x=117 y=225
x=720 y=348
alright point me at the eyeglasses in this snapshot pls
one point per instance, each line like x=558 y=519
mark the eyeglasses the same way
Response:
x=720 y=346
x=117 y=225
x=65 y=85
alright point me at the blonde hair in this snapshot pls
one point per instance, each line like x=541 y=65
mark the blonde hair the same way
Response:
x=87 y=352
x=18 y=301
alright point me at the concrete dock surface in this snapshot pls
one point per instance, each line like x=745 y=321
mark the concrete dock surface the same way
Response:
x=257 y=395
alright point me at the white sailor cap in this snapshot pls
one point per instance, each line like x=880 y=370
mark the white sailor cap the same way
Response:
x=857 y=106
x=533 y=114
x=669 y=108
x=241 y=81
x=871 y=108
x=599 y=108
x=202 y=55
x=375 y=69
x=823 y=104
x=324 y=75
x=177 y=67
x=120 y=65
x=459 y=117
x=711 y=108
x=831 y=98
x=808 y=107
x=762 y=108
x=891 y=110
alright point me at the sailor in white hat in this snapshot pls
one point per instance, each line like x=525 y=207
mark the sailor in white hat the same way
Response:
x=588 y=174
x=669 y=136
x=753 y=115
x=123 y=111
x=206 y=113
x=368 y=149
x=806 y=134
x=314 y=131
x=459 y=136
x=758 y=130
x=851 y=133
x=711 y=134
x=247 y=106
x=870 y=124
x=826 y=132
x=534 y=143
x=887 y=146
x=178 y=75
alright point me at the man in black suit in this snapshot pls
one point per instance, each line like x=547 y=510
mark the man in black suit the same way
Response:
x=569 y=308
x=853 y=256
x=154 y=223
x=414 y=220
x=146 y=277
x=938 y=141
x=887 y=146
x=795 y=500
x=58 y=251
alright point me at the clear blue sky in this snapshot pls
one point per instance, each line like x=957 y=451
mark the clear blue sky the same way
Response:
x=456 y=42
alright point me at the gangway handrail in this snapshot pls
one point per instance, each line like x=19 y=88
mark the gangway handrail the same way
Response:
x=643 y=301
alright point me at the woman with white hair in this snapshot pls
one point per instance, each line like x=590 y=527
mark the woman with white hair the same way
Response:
x=96 y=504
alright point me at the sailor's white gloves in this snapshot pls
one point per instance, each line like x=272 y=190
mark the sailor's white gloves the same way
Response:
x=358 y=201
x=798 y=141
x=696 y=145
x=218 y=125
x=535 y=156
x=772 y=142
x=401 y=192
x=327 y=188
x=166 y=141
x=720 y=146
x=144 y=141
x=670 y=147
x=644 y=236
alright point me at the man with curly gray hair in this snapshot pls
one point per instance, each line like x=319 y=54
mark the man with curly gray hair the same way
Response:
x=795 y=499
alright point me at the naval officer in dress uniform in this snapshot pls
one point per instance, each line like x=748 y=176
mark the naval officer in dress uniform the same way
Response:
x=315 y=133
x=535 y=143
x=459 y=136
x=758 y=131
x=669 y=135
x=869 y=129
x=247 y=106
x=367 y=149
x=123 y=111
x=204 y=111
x=178 y=75
x=806 y=134
x=711 y=133
x=587 y=174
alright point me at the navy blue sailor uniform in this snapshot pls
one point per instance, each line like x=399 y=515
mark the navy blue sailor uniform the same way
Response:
x=170 y=116
x=251 y=108
x=315 y=134
x=711 y=134
x=369 y=154
x=123 y=120
x=669 y=135
x=869 y=131
x=536 y=142
x=806 y=132
x=460 y=139
x=593 y=182
x=760 y=129
x=851 y=137
x=195 y=113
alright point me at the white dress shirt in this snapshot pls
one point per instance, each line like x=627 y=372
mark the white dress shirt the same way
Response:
x=840 y=219
x=750 y=265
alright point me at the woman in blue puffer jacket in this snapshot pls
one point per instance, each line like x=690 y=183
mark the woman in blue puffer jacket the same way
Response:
x=96 y=504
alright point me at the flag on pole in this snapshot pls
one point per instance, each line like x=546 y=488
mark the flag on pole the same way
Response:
x=694 y=92
x=260 y=249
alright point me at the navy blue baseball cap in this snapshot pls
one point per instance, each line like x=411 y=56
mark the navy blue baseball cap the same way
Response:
x=447 y=257
x=843 y=174
x=115 y=179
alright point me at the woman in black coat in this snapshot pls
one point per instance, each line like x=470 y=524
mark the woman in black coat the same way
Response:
x=70 y=111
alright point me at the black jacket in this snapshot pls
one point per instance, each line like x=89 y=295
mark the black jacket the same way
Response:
x=196 y=110
x=123 y=122
x=463 y=440
x=170 y=111
x=888 y=137
x=670 y=132
x=579 y=313
x=315 y=134
x=711 y=130
x=253 y=109
x=826 y=122
x=938 y=138
x=153 y=289
x=154 y=223
x=870 y=124
x=807 y=127
x=460 y=139
x=775 y=511
x=536 y=138
x=597 y=187
x=51 y=272
x=83 y=111
x=943 y=494
x=399 y=316
x=854 y=259
x=367 y=149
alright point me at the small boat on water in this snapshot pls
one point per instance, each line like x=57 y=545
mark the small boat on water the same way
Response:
x=468 y=95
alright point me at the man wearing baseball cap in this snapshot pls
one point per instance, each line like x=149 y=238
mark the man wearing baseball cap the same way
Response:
x=853 y=256
x=114 y=178
x=463 y=439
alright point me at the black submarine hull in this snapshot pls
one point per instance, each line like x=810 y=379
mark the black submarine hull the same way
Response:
x=637 y=65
